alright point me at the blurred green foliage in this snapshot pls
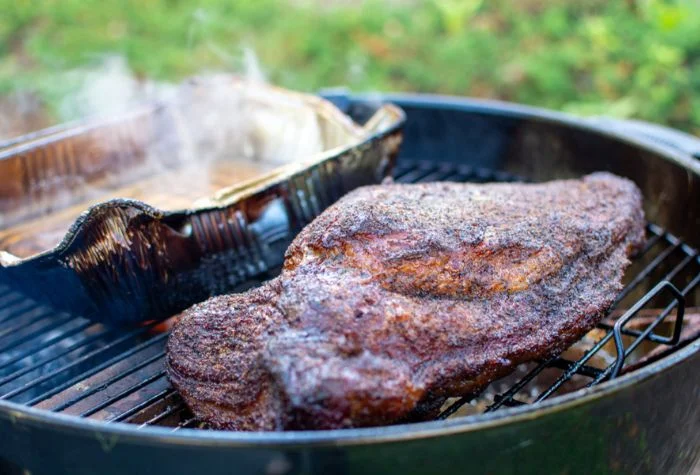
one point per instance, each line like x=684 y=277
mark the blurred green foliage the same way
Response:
x=626 y=58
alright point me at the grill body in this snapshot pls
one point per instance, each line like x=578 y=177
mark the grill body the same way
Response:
x=646 y=421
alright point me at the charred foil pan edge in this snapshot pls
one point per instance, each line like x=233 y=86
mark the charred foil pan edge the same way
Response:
x=124 y=261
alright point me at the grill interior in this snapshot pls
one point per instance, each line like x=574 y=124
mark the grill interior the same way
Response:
x=65 y=363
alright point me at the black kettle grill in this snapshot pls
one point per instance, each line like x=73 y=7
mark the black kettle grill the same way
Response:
x=78 y=397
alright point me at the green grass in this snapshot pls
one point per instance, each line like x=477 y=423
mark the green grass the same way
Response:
x=626 y=58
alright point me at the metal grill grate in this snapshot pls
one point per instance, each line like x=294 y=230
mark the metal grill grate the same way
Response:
x=68 y=364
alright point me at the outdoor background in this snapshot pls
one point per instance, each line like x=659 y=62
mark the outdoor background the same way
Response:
x=625 y=58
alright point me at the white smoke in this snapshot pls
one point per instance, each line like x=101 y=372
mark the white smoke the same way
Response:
x=108 y=89
x=209 y=132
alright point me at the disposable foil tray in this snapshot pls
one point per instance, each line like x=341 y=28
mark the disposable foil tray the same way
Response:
x=139 y=216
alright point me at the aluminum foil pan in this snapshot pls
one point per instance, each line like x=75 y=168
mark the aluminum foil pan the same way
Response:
x=131 y=260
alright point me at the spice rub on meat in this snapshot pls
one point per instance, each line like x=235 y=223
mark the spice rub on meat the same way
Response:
x=399 y=296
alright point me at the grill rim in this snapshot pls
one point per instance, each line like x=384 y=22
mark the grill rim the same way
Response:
x=597 y=125
x=19 y=414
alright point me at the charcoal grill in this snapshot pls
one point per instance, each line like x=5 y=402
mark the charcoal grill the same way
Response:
x=80 y=397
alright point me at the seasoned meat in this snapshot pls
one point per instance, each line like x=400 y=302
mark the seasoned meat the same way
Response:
x=399 y=296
